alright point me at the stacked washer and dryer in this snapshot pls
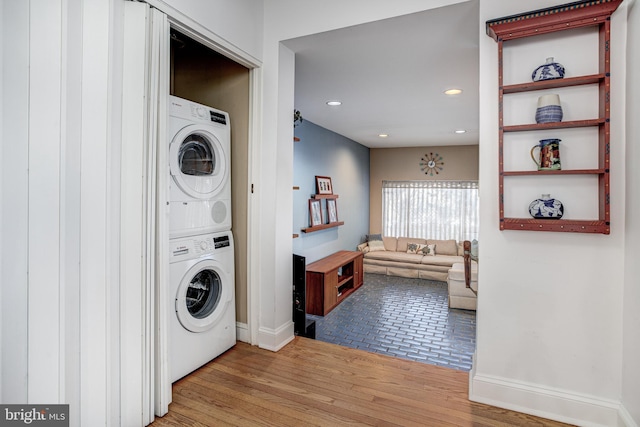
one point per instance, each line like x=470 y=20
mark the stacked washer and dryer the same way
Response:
x=202 y=284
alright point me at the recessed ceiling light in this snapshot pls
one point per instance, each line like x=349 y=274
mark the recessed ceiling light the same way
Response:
x=460 y=131
x=453 y=91
x=334 y=103
x=383 y=135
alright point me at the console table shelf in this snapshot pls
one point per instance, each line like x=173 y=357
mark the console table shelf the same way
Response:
x=332 y=279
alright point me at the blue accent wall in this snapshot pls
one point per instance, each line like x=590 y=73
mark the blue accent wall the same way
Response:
x=325 y=153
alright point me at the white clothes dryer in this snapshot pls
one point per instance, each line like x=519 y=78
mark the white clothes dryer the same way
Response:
x=202 y=298
x=200 y=168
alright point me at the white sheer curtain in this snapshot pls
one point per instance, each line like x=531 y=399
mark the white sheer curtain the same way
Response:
x=430 y=209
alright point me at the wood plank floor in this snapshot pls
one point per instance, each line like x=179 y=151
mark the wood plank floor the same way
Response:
x=312 y=383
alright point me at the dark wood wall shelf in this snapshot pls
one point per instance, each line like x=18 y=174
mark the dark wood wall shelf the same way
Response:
x=560 y=172
x=557 y=125
x=322 y=227
x=324 y=196
x=553 y=84
x=578 y=226
x=578 y=14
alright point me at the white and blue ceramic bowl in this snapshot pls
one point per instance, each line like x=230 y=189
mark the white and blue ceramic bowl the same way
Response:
x=546 y=208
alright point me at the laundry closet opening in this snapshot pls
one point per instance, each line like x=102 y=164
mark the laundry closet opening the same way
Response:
x=204 y=76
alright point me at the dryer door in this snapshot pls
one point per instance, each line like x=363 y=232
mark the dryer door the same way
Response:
x=203 y=296
x=198 y=162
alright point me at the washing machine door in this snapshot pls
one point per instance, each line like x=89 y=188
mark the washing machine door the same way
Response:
x=203 y=296
x=198 y=162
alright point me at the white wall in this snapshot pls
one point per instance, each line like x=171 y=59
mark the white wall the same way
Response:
x=549 y=327
x=237 y=22
x=631 y=320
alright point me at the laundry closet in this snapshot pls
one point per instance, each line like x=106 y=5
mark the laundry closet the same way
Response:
x=201 y=75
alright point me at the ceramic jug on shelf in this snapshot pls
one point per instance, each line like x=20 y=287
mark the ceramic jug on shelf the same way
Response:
x=549 y=109
x=549 y=154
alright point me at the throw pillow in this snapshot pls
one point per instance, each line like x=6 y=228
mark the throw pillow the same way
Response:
x=376 y=245
x=374 y=237
x=429 y=250
x=415 y=248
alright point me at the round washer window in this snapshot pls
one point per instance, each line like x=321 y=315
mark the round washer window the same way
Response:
x=196 y=156
x=203 y=294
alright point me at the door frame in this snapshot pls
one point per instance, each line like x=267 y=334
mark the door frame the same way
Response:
x=177 y=20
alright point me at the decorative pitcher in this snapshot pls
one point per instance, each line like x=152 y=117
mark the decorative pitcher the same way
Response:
x=549 y=154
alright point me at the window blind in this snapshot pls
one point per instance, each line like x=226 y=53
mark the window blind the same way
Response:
x=430 y=209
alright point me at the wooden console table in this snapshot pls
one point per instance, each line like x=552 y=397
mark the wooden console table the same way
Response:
x=332 y=279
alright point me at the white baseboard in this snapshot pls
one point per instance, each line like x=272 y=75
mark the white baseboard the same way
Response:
x=626 y=419
x=242 y=332
x=545 y=402
x=275 y=339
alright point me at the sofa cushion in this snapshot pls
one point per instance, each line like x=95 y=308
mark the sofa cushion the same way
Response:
x=404 y=241
x=445 y=247
x=372 y=237
x=457 y=271
x=390 y=243
x=395 y=257
x=447 y=260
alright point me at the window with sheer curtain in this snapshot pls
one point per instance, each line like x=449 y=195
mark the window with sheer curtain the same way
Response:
x=430 y=209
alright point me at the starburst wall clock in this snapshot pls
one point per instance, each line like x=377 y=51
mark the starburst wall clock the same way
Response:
x=431 y=164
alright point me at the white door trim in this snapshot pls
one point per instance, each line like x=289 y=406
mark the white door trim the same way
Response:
x=207 y=38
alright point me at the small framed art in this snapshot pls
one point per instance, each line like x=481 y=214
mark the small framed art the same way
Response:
x=332 y=210
x=323 y=185
x=315 y=212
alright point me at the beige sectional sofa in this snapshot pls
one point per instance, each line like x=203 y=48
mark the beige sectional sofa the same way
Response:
x=393 y=259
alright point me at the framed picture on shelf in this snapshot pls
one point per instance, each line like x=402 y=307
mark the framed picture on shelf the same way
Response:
x=332 y=210
x=315 y=212
x=323 y=185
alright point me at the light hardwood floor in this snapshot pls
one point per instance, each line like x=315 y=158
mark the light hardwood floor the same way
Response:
x=312 y=383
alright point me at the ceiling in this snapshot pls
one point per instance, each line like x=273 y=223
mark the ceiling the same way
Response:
x=391 y=76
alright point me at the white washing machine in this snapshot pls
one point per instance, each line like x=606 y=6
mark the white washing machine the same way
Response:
x=202 y=297
x=200 y=167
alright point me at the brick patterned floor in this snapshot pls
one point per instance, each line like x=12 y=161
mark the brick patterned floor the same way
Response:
x=406 y=318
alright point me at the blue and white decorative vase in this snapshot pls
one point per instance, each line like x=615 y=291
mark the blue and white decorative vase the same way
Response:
x=548 y=71
x=549 y=109
x=546 y=208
